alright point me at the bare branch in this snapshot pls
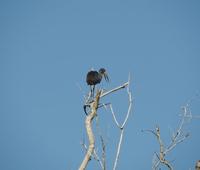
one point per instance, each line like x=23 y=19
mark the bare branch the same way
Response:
x=94 y=105
x=102 y=144
x=177 y=137
x=118 y=148
x=103 y=153
x=114 y=117
x=115 y=89
x=121 y=127
x=130 y=104
x=94 y=155
x=161 y=156
x=149 y=130
x=172 y=145
x=88 y=125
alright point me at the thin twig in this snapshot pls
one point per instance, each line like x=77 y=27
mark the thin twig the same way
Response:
x=114 y=117
x=162 y=149
x=130 y=105
x=103 y=153
x=177 y=138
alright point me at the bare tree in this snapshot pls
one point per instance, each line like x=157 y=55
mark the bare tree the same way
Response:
x=176 y=138
x=94 y=105
x=159 y=158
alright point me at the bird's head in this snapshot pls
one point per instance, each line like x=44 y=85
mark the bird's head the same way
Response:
x=103 y=73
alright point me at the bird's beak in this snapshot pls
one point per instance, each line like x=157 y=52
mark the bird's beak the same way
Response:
x=106 y=77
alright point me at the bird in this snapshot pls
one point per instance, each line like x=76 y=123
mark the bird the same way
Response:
x=95 y=77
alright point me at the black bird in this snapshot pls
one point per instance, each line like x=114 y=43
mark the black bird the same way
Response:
x=95 y=77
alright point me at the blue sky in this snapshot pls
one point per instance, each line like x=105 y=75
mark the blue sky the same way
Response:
x=46 y=49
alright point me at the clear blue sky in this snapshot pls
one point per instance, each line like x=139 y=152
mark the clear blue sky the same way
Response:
x=46 y=49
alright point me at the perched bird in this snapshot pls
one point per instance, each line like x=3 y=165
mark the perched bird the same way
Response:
x=95 y=77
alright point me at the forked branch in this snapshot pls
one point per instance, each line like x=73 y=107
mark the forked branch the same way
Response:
x=121 y=126
x=177 y=137
x=94 y=105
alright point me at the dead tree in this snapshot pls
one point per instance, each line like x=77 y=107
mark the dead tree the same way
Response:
x=177 y=137
x=94 y=105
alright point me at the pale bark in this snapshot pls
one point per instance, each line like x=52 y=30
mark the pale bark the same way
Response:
x=94 y=105
x=88 y=125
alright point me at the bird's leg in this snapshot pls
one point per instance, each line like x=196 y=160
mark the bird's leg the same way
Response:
x=93 y=89
x=91 y=92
